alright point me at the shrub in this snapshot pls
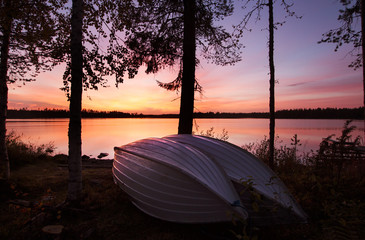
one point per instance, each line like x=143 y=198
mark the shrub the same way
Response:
x=211 y=133
x=341 y=156
x=324 y=184
x=21 y=153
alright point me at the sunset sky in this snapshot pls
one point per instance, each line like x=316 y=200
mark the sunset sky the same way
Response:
x=309 y=75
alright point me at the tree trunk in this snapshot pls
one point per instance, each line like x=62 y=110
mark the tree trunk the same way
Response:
x=74 y=130
x=188 y=76
x=4 y=159
x=362 y=9
x=272 y=85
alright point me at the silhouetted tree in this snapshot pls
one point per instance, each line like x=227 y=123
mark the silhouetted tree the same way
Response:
x=88 y=67
x=168 y=33
x=258 y=7
x=188 y=74
x=272 y=84
x=29 y=36
x=74 y=129
x=362 y=4
x=349 y=33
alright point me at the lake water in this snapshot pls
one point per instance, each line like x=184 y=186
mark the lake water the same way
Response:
x=101 y=135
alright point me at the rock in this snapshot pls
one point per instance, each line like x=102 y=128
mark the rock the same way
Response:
x=61 y=158
x=52 y=232
x=101 y=155
x=53 y=229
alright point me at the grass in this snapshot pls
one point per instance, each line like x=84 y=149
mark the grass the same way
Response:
x=106 y=211
x=333 y=202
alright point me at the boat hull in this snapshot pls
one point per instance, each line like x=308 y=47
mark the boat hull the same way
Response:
x=197 y=179
x=265 y=196
x=173 y=182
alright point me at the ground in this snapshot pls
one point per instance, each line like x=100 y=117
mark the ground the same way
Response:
x=105 y=211
x=34 y=198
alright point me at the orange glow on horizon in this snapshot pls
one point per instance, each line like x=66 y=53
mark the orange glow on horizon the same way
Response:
x=309 y=75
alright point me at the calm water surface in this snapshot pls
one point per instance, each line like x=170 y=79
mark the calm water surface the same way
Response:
x=101 y=135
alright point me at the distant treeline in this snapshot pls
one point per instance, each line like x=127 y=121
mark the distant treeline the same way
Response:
x=59 y=113
x=318 y=113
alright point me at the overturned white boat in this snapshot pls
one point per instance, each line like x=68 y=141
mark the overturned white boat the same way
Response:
x=174 y=182
x=187 y=178
x=264 y=196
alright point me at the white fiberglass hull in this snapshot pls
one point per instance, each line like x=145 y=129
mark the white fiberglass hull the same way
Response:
x=173 y=182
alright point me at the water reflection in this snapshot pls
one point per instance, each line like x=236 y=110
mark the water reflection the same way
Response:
x=101 y=135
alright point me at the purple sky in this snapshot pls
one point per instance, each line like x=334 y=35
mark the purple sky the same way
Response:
x=309 y=75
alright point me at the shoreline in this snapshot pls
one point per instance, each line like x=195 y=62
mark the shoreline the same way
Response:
x=319 y=113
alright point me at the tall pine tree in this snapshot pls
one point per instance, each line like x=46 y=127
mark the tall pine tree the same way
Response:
x=88 y=65
x=173 y=33
x=257 y=7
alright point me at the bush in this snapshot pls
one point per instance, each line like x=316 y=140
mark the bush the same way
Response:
x=324 y=183
x=340 y=157
x=286 y=158
x=21 y=153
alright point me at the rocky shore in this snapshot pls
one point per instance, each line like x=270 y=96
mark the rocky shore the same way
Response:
x=87 y=162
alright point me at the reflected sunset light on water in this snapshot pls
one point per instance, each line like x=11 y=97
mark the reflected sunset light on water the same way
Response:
x=103 y=134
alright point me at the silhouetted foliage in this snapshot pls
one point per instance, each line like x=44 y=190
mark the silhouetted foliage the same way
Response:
x=101 y=60
x=167 y=33
x=29 y=36
x=348 y=32
x=22 y=153
x=156 y=36
x=335 y=155
x=35 y=33
x=87 y=67
x=322 y=113
x=333 y=202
